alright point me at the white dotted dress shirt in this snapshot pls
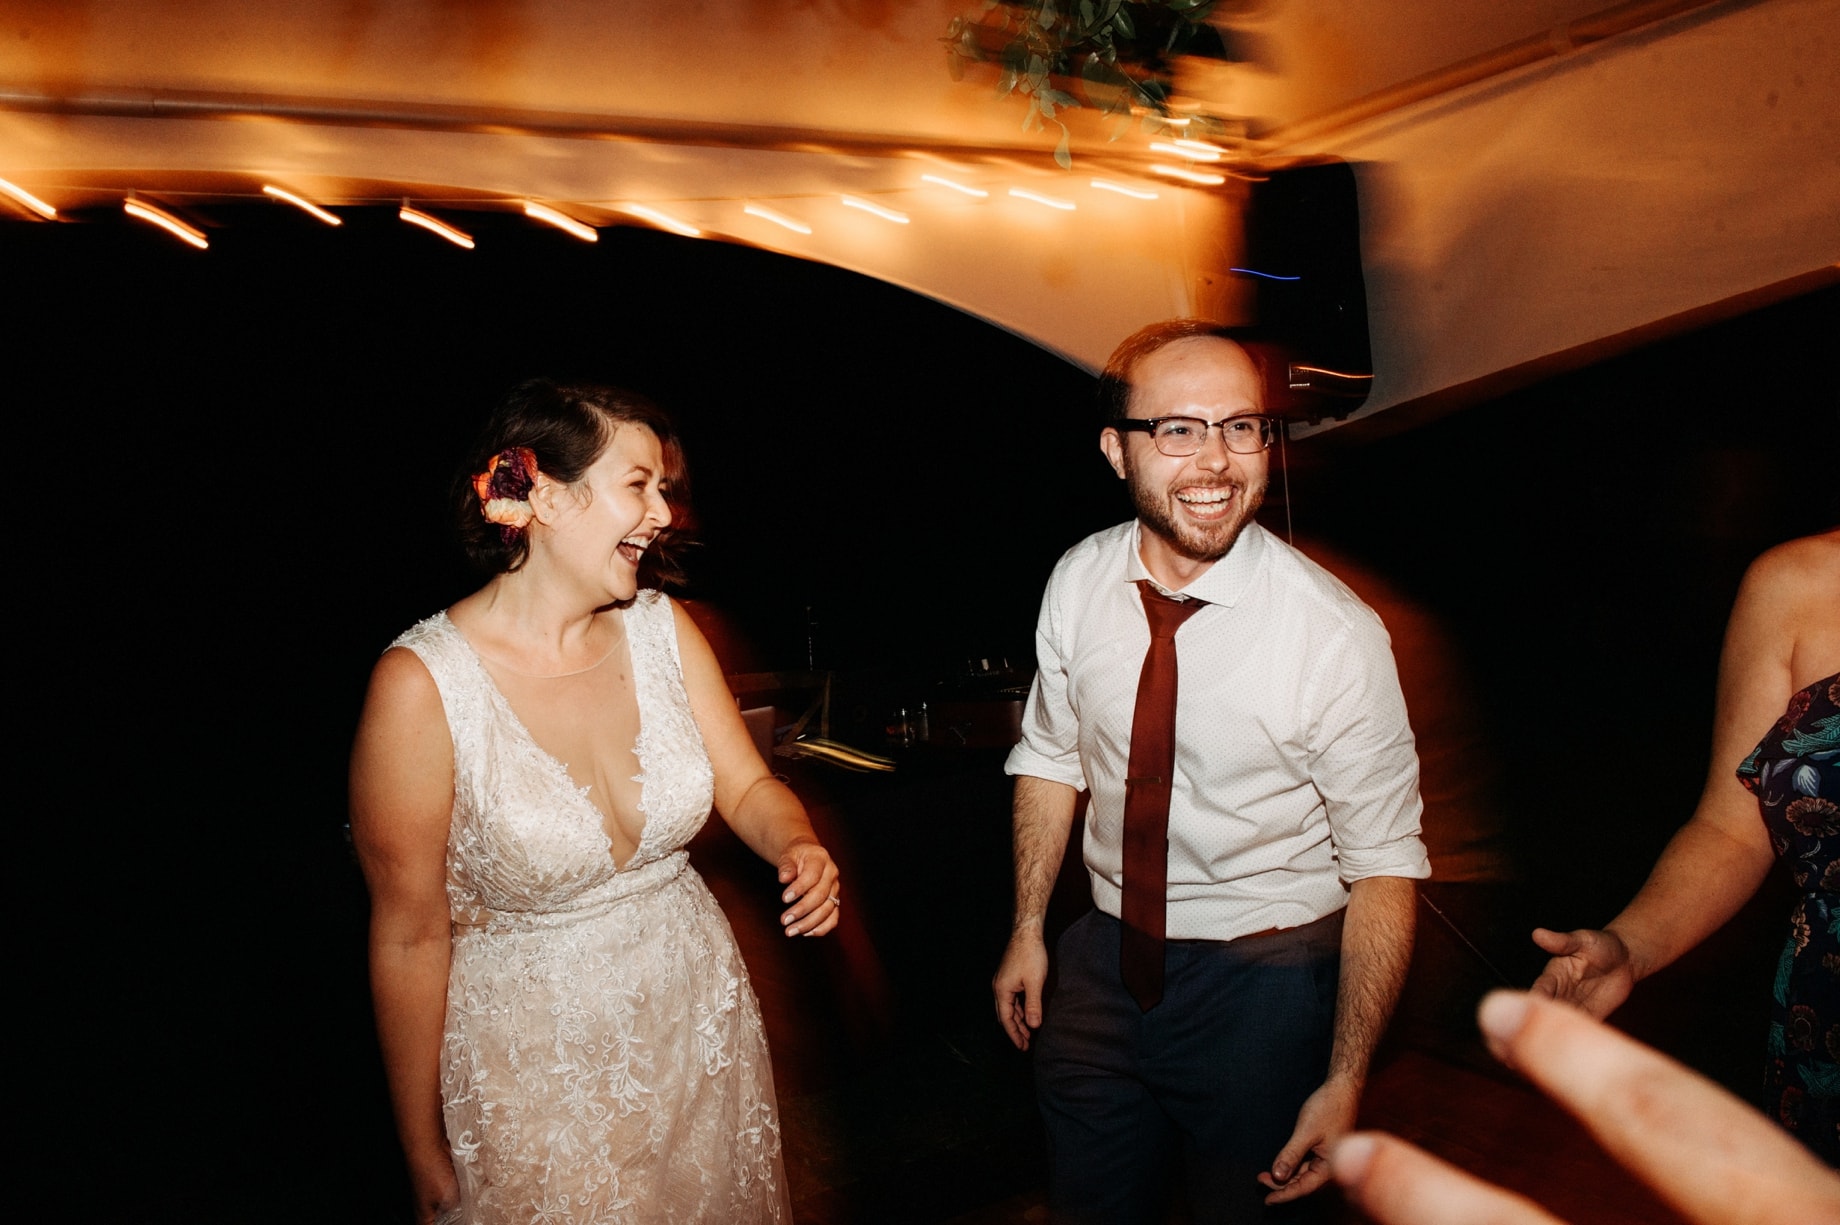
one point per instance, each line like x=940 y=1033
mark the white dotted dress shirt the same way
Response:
x=1295 y=768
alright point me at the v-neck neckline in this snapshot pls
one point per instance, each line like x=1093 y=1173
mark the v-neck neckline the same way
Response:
x=555 y=763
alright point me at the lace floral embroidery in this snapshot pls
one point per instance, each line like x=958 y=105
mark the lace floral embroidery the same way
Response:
x=603 y=1059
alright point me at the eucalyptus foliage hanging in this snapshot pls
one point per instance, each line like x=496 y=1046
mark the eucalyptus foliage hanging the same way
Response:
x=1118 y=55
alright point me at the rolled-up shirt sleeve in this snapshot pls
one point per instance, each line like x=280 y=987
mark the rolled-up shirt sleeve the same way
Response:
x=1050 y=744
x=1365 y=764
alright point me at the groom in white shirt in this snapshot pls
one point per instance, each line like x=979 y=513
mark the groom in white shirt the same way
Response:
x=1230 y=1047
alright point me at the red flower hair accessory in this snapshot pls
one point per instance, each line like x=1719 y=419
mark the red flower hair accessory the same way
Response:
x=504 y=490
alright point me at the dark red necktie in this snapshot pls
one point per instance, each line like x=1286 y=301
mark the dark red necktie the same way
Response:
x=1146 y=800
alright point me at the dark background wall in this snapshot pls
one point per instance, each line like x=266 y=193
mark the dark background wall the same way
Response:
x=1582 y=541
x=230 y=494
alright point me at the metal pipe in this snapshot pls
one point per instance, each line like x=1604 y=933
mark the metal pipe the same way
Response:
x=449 y=117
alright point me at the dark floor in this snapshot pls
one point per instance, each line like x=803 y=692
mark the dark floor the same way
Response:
x=902 y=1101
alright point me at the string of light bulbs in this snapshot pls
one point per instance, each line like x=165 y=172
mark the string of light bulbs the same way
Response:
x=1190 y=151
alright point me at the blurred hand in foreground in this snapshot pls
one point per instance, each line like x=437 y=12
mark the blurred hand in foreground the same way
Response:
x=1714 y=1159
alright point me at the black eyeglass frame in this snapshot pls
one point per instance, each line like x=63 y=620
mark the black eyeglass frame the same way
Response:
x=1148 y=425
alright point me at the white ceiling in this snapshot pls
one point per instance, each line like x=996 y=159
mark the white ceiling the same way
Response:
x=1534 y=213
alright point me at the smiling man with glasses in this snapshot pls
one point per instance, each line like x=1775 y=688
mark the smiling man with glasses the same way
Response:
x=1252 y=835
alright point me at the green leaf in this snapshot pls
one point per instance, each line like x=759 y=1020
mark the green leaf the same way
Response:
x=1098 y=40
x=1102 y=86
x=1063 y=154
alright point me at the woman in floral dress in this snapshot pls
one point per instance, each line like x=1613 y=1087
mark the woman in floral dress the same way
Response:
x=1776 y=735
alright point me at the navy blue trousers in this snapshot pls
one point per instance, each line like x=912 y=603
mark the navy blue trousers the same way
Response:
x=1200 y=1092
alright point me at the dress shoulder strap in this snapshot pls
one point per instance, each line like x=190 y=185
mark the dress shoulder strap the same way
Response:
x=651 y=627
x=456 y=670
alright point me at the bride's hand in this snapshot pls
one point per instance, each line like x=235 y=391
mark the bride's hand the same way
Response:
x=437 y=1190
x=812 y=889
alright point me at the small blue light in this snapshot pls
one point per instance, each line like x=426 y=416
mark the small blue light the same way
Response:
x=1270 y=276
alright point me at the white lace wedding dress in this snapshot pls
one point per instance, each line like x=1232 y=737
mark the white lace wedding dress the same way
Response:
x=604 y=1058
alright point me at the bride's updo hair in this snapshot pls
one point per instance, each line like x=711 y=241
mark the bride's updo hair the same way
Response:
x=566 y=426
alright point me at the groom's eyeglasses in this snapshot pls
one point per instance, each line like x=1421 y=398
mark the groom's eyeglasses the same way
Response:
x=1246 y=435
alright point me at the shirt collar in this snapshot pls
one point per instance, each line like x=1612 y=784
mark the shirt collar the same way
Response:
x=1224 y=582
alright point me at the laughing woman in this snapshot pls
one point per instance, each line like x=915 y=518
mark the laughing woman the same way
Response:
x=566 y=1024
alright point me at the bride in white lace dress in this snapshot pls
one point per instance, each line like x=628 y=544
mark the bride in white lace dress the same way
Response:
x=566 y=1023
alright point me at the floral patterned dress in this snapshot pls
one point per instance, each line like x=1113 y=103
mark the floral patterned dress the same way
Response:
x=1795 y=773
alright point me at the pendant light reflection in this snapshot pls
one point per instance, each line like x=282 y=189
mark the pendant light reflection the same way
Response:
x=26 y=198
x=166 y=221
x=780 y=219
x=1190 y=176
x=1186 y=149
x=1023 y=193
x=302 y=203
x=664 y=220
x=958 y=187
x=880 y=210
x=434 y=225
x=562 y=221
x=1136 y=193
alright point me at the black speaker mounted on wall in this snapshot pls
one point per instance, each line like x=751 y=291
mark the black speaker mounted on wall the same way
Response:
x=1303 y=259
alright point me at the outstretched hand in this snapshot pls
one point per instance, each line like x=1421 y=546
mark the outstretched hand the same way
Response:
x=1590 y=969
x=812 y=896
x=1302 y=1165
x=1714 y=1159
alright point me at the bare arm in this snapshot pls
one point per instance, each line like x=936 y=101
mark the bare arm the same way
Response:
x=1376 y=952
x=1781 y=629
x=1377 y=937
x=1043 y=818
x=402 y=798
x=1703 y=878
x=761 y=810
